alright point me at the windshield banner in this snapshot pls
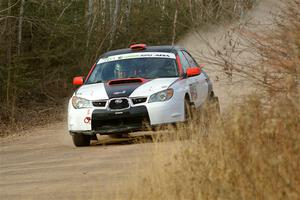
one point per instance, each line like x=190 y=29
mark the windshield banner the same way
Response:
x=137 y=55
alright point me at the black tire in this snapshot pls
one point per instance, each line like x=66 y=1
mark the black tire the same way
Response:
x=94 y=137
x=212 y=110
x=81 y=140
x=188 y=111
x=215 y=106
x=119 y=135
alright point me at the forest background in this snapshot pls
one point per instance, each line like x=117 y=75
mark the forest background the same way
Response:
x=45 y=43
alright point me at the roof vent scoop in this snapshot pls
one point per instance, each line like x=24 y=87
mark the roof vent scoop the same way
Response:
x=138 y=46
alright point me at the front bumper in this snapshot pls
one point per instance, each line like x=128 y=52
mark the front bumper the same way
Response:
x=131 y=119
x=135 y=118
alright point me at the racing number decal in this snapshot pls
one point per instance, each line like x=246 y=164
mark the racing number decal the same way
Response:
x=88 y=119
x=193 y=91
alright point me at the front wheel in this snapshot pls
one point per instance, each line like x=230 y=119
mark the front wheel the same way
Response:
x=81 y=140
x=188 y=110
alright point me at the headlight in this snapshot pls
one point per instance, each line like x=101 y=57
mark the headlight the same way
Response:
x=161 y=96
x=79 y=102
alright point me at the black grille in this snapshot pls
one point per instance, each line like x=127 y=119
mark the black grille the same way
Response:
x=99 y=103
x=137 y=122
x=139 y=100
x=111 y=121
x=116 y=104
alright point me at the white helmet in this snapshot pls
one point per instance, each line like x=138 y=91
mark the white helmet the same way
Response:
x=120 y=71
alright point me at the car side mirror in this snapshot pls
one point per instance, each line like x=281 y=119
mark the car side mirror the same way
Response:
x=193 y=71
x=78 y=80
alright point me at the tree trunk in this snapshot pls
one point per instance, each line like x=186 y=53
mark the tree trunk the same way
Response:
x=8 y=56
x=114 y=24
x=89 y=13
x=89 y=23
x=128 y=9
x=103 y=15
x=174 y=24
x=14 y=88
x=20 y=27
x=191 y=10
x=111 y=11
x=162 y=17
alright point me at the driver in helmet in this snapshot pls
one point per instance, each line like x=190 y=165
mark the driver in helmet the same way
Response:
x=120 y=71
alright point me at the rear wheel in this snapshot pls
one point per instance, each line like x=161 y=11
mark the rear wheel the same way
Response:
x=210 y=111
x=81 y=140
x=214 y=107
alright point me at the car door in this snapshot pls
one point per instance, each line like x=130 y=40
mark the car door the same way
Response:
x=190 y=82
x=201 y=85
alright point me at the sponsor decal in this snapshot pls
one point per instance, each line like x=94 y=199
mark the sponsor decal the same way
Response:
x=122 y=92
x=193 y=91
x=137 y=55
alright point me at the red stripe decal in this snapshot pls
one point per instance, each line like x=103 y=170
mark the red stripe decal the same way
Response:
x=179 y=64
x=91 y=70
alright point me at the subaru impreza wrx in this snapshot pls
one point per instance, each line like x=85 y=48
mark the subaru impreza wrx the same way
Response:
x=131 y=88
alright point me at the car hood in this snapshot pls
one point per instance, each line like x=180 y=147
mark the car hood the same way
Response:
x=104 y=91
x=153 y=86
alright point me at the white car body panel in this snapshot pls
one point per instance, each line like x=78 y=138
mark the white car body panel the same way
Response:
x=76 y=118
x=92 y=92
x=153 y=86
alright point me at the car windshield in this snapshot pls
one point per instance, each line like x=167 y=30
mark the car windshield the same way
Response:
x=148 y=68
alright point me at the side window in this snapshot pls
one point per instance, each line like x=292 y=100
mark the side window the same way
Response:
x=95 y=74
x=183 y=60
x=191 y=61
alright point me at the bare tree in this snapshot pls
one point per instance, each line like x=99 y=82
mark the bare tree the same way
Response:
x=174 y=23
x=89 y=22
x=8 y=54
x=103 y=16
x=114 y=23
x=111 y=11
x=20 y=27
x=89 y=12
x=128 y=9
x=162 y=17
x=191 y=10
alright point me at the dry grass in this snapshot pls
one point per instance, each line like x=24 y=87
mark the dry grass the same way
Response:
x=253 y=152
x=32 y=118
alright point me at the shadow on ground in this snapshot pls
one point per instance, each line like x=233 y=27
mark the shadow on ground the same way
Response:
x=121 y=140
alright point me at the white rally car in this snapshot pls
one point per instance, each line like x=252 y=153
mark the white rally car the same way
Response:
x=131 y=88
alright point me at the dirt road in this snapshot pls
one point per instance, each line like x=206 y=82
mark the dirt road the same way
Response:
x=44 y=164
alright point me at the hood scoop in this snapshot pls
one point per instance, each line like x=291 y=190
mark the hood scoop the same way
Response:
x=126 y=81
